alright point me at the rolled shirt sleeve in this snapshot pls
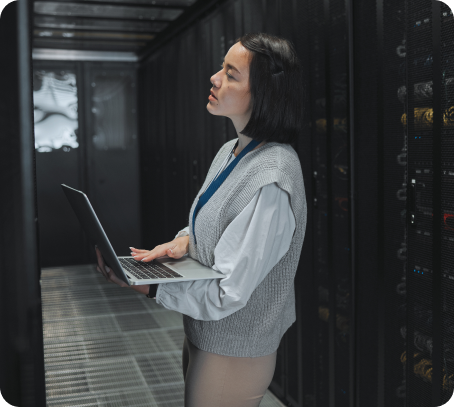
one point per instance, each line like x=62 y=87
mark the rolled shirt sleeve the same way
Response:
x=249 y=248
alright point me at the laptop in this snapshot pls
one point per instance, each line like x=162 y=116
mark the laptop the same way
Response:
x=160 y=270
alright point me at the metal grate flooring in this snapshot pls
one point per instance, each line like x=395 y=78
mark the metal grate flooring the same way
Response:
x=94 y=331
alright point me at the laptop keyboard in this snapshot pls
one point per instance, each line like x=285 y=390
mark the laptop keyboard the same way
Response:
x=145 y=271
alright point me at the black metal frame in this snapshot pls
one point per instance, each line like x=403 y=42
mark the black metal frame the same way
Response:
x=125 y=4
x=90 y=39
x=437 y=219
x=22 y=358
x=381 y=229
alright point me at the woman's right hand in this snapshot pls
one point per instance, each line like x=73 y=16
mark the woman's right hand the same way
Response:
x=175 y=249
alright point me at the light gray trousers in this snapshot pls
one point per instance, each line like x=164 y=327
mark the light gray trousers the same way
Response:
x=212 y=380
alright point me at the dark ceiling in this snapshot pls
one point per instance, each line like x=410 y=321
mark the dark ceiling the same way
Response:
x=105 y=25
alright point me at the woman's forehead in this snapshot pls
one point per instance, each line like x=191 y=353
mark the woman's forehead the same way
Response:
x=238 y=56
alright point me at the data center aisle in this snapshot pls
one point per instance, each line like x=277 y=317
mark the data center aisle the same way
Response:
x=110 y=346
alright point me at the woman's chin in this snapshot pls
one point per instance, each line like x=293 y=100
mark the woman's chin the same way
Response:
x=210 y=109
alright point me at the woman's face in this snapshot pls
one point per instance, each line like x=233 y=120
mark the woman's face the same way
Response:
x=231 y=86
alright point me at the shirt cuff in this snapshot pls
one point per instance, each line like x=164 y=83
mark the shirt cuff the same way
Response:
x=183 y=232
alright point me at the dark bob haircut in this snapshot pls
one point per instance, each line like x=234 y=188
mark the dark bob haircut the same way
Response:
x=276 y=86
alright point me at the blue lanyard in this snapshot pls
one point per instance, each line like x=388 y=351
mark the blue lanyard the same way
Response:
x=204 y=198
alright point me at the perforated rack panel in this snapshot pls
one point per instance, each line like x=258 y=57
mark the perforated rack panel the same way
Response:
x=430 y=267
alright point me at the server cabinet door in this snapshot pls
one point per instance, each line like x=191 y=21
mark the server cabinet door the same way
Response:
x=59 y=160
x=112 y=152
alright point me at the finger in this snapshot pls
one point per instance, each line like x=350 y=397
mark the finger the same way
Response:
x=151 y=256
x=100 y=258
x=138 y=250
x=139 y=256
x=110 y=275
x=158 y=252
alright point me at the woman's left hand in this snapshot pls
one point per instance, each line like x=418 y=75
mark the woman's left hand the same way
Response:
x=107 y=272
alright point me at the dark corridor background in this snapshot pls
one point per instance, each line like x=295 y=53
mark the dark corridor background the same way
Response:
x=86 y=136
x=375 y=278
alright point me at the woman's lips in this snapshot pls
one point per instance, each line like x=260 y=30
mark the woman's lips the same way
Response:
x=211 y=97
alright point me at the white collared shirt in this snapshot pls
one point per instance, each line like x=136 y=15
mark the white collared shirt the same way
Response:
x=249 y=248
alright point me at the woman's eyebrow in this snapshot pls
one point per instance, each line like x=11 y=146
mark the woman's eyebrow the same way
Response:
x=231 y=66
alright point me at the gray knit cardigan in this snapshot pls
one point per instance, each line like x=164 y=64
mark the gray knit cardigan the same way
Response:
x=257 y=328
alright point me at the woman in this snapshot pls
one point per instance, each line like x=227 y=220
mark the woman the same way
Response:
x=248 y=221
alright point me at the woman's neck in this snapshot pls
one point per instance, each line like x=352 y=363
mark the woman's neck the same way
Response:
x=243 y=141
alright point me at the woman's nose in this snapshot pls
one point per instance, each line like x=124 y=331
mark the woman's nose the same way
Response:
x=215 y=80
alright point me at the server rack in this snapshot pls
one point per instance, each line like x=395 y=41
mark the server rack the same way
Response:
x=429 y=369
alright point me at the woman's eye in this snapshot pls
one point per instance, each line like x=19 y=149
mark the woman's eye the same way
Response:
x=230 y=76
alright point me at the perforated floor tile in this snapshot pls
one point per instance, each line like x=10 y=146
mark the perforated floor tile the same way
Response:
x=59 y=330
x=139 y=398
x=135 y=322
